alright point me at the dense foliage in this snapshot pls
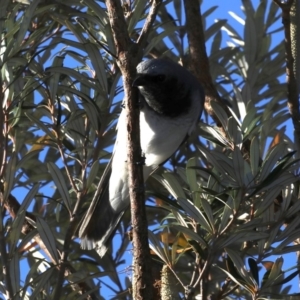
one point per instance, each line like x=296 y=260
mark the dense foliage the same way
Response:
x=219 y=210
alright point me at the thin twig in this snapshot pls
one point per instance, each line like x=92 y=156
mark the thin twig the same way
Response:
x=128 y=55
x=199 y=62
x=63 y=158
x=198 y=56
x=12 y=206
x=177 y=277
x=148 y=23
x=3 y=144
x=4 y=258
x=66 y=247
x=85 y=27
x=74 y=219
x=197 y=260
x=204 y=269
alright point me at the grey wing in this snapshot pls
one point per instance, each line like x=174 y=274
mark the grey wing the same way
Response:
x=101 y=189
x=100 y=220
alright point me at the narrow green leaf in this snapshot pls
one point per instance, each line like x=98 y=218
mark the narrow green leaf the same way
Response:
x=227 y=212
x=192 y=180
x=231 y=268
x=234 y=279
x=248 y=119
x=226 y=163
x=42 y=280
x=47 y=237
x=245 y=236
x=240 y=266
x=99 y=11
x=254 y=155
x=267 y=200
x=233 y=34
x=93 y=174
x=98 y=64
x=287 y=194
x=18 y=222
x=235 y=132
x=168 y=23
x=215 y=28
x=271 y=15
x=10 y=171
x=238 y=166
x=208 y=212
x=15 y=231
x=14 y=265
x=237 y=17
x=293 y=209
x=72 y=73
x=254 y=269
x=109 y=38
x=288 y=230
x=60 y=183
x=41 y=125
x=286 y=250
x=290 y=239
x=3 y=11
x=179 y=218
x=287 y=279
x=236 y=118
x=259 y=18
x=275 y=272
x=211 y=159
x=159 y=37
x=29 y=155
x=136 y=16
x=209 y=11
x=173 y=186
x=55 y=78
x=156 y=246
x=216 y=43
x=26 y=19
x=212 y=134
x=271 y=159
x=221 y=114
x=178 y=10
x=195 y=213
x=248 y=8
x=250 y=47
x=190 y=234
x=92 y=114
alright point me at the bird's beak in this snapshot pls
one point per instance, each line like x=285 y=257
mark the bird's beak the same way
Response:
x=140 y=80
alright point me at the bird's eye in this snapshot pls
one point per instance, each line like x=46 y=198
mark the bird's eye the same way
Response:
x=159 y=78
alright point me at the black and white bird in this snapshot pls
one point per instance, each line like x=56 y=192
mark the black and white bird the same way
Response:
x=171 y=103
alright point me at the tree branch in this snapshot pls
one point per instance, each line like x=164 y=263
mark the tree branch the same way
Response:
x=292 y=85
x=142 y=40
x=198 y=56
x=4 y=258
x=12 y=205
x=66 y=247
x=127 y=53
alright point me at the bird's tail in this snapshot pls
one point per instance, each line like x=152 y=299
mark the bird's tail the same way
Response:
x=99 y=224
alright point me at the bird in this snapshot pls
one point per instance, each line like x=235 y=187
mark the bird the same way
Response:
x=171 y=102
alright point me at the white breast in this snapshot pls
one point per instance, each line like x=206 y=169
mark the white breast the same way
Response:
x=160 y=138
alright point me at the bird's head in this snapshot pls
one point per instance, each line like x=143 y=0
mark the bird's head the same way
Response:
x=165 y=86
